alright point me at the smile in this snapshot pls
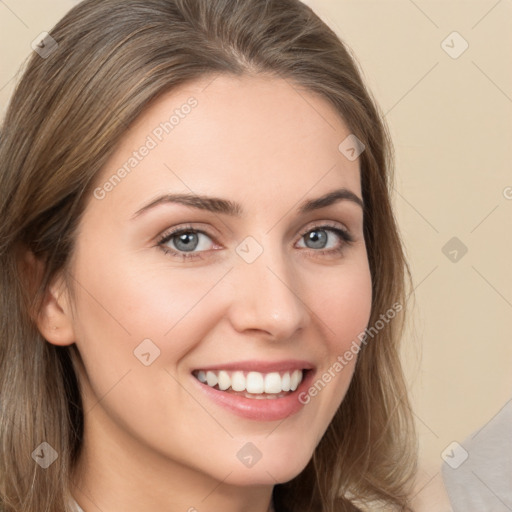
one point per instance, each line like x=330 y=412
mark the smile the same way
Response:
x=252 y=384
x=256 y=390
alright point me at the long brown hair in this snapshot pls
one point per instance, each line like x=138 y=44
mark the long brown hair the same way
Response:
x=110 y=59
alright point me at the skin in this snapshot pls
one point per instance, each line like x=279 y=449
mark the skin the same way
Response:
x=152 y=440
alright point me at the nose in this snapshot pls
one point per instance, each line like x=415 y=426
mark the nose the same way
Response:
x=267 y=297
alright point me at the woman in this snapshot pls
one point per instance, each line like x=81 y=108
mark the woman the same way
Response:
x=203 y=285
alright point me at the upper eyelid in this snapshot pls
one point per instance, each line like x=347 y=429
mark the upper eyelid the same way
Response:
x=325 y=224
x=309 y=226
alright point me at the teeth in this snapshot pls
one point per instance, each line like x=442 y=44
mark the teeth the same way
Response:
x=238 y=381
x=273 y=383
x=295 y=380
x=211 y=379
x=224 y=381
x=285 y=382
x=255 y=383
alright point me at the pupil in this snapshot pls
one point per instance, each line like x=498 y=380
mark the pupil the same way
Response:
x=189 y=241
x=318 y=238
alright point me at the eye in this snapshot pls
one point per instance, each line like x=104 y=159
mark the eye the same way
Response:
x=326 y=239
x=188 y=243
x=185 y=242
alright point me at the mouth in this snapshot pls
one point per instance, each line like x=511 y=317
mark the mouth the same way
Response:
x=253 y=384
x=256 y=390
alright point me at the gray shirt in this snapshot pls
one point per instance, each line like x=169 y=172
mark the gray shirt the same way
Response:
x=478 y=472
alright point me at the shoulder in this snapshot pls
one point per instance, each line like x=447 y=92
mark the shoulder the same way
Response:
x=479 y=477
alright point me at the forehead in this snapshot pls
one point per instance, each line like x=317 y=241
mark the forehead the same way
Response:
x=248 y=136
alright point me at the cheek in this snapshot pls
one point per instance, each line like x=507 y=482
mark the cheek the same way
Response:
x=124 y=302
x=343 y=303
x=134 y=327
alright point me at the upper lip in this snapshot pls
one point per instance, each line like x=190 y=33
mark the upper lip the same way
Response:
x=260 y=366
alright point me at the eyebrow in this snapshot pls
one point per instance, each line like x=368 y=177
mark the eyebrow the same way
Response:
x=227 y=207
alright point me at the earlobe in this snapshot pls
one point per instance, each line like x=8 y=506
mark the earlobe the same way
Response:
x=53 y=319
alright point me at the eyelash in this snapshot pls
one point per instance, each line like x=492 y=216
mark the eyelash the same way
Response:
x=166 y=237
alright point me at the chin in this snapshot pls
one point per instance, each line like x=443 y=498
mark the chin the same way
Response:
x=271 y=470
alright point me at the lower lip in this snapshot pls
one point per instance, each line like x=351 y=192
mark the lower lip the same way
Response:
x=266 y=409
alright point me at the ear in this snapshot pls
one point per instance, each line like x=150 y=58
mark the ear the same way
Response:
x=54 y=318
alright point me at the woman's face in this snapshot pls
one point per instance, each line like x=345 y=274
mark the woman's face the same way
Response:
x=265 y=281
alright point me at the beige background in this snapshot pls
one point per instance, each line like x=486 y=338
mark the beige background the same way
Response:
x=451 y=122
